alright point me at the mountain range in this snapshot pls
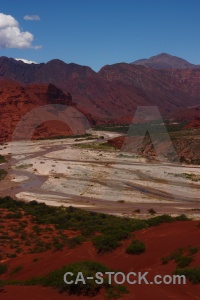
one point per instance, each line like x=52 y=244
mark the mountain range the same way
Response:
x=166 y=61
x=109 y=96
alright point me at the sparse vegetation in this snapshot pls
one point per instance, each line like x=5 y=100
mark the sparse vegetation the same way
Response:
x=182 y=218
x=88 y=288
x=59 y=137
x=136 y=247
x=16 y=270
x=2 y=159
x=35 y=259
x=101 y=146
x=107 y=232
x=192 y=177
x=195 y=161
x=155 y=221
x=193 y=250
x=152 y=211
x=1 y=286
x=192 y=274
x=136 y=129
x=24 y=166
x=75 y=241
x=106 y=243
x=183 y=261
x=3 y=268
x=183 y=257
x=137 y=211
x=3 y=174
x=123 y=128
x=16 y=215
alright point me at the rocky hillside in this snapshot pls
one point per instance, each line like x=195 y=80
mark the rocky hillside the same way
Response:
x=16 y=101
x=112 y=94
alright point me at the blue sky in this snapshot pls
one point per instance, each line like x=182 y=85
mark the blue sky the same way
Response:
x=99 y=32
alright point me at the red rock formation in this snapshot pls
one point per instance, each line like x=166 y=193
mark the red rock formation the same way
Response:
x=190 y=115
x=112 y=94
x=16 y=101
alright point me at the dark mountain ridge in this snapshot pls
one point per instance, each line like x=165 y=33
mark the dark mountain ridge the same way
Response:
x=166 y=61
x=112 y=94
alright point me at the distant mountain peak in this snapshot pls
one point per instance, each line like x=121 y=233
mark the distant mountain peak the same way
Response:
x=166 y=61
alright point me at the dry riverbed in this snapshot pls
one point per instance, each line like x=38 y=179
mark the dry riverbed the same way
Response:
x=85 y=173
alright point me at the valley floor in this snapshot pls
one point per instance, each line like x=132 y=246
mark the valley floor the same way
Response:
x=86 y=173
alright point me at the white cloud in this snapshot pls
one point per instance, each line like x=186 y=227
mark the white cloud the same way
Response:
x=26 y=61
x=11 y=35
x=32 y=18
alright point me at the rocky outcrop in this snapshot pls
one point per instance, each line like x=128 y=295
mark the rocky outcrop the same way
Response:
x=17 y=101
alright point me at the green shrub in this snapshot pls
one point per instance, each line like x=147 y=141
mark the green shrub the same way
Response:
x=115 y=292
x=177 y=254
x=105 y=243
x=165 y=260
x=192 y=274
x=37 y=229
x=179 y=257
x=17 y=215
x=193 y=250
x=16 y=270
x=174 y=256
x=152 y=211
x=87 y=268
x=11 y=255
x=182 y=218
x=58 y=245
x=2 y=159
x=113 y=229
x=3 y=268
x=75 y=241
x=181 y=260
x=136 y=247
x=88 y=288
x=3 y=173
x=119 y=233
x=35 y=259
x=182 y=159
x=159 y=220
x=1 y=286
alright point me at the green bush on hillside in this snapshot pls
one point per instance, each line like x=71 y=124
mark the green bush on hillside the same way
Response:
x=3 y=268
x=136 y=247
x=192 y=274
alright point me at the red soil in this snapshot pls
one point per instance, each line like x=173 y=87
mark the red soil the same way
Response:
x=160 y=241
x=16 y=101
x=26 y=235
x=117 y=142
